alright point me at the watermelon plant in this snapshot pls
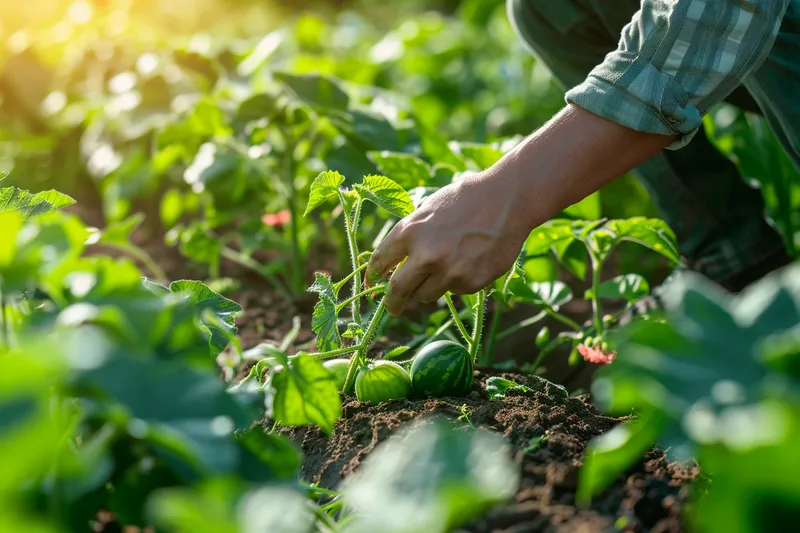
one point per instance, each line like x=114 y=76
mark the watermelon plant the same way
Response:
x=583 y=248
x=347 y=325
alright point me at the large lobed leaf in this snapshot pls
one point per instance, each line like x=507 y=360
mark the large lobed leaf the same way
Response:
x=387 y=194
x=430 y=477
x=324 y=187
x=703 y=377
x=324 y=319
x=216 y=313
x=407 y=170
x=317 y=90
x=306 y=393
x=30 y=204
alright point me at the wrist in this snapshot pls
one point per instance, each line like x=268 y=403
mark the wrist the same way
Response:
x=569 y=158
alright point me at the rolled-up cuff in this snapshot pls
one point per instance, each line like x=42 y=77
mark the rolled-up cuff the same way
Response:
x=652 y=102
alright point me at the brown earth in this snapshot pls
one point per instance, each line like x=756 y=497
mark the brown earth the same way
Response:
x=649 y=497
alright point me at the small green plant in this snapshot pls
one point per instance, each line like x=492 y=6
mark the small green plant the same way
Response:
x=582 y=247
x=363 y=325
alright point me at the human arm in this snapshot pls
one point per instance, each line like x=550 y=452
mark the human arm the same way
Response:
x=676 y=59
x=469 y=233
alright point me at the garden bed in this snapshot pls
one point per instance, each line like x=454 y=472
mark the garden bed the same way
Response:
x=648 y=497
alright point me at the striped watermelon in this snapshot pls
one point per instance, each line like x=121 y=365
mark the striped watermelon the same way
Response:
x=382 y=381
x=442 y=368
x=339 y=368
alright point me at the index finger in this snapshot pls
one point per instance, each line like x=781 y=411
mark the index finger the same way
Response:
x=386 y=256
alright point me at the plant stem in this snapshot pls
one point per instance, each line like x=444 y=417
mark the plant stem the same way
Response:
x=488 y=352
x=597 y=265
x=351 y=224
x=298 y=264
x=521 y=325
x=366 y=292
x=361 y=355
x=428 y=339
x=478 y=329
x=239 y=258
x=144 y=258
x=564 y=320
x=449 y=299
x=350 y=276
x=334 y=353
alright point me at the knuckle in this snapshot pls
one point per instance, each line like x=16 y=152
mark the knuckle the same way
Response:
x=429 y=256
x=395 y=291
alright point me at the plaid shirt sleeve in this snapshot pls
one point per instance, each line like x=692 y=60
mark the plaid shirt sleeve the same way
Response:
x=678 y=58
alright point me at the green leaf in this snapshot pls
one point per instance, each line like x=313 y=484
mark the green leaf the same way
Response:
x=386 y=194
x=625 y=287
x=396 y=354
x=406 y=170
x=573 y=256
x=497 y=387
x=482 y=155
x=601 y=242
x=207 y=508
x=702 y=364
x=257 y=107
x=306 y=393
x=610 y=455
x=542 y=239
x=171 y=208
x=185 y=414
x=324 y=187
x=207 y=301
x=11 y=223
x=316 y=89
x=117 y=233
x=324 y=321
x=430 y=477
x=551 y=294
x=261 y=53
x=587 y=209
x=31 y=205
x=650 y=232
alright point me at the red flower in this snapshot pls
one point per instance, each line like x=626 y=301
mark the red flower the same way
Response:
x=281 y=218
x=594 y=354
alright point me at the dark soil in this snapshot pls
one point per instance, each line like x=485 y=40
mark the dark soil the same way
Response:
x=649 y=497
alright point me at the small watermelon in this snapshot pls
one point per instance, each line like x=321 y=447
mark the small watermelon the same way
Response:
x=442 y=368
x=339 y=368
x=382 y=381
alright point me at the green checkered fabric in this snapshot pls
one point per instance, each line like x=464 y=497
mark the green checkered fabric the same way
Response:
x=658 y=66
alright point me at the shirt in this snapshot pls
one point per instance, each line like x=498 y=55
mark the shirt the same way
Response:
x=676 y=59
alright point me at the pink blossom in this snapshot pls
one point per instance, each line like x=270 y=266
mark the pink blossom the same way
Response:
x=280 y=218
x=594 y=354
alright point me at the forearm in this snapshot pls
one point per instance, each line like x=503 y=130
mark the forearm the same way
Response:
x=572 y=156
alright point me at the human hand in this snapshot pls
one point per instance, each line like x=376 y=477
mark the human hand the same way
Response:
x=461 y=239
x=469 y=233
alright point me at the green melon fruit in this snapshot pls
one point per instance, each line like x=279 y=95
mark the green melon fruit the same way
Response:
x=339 y=368
x=382 y=381
x=442 y=368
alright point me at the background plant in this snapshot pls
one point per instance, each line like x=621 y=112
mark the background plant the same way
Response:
x=717 y=380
